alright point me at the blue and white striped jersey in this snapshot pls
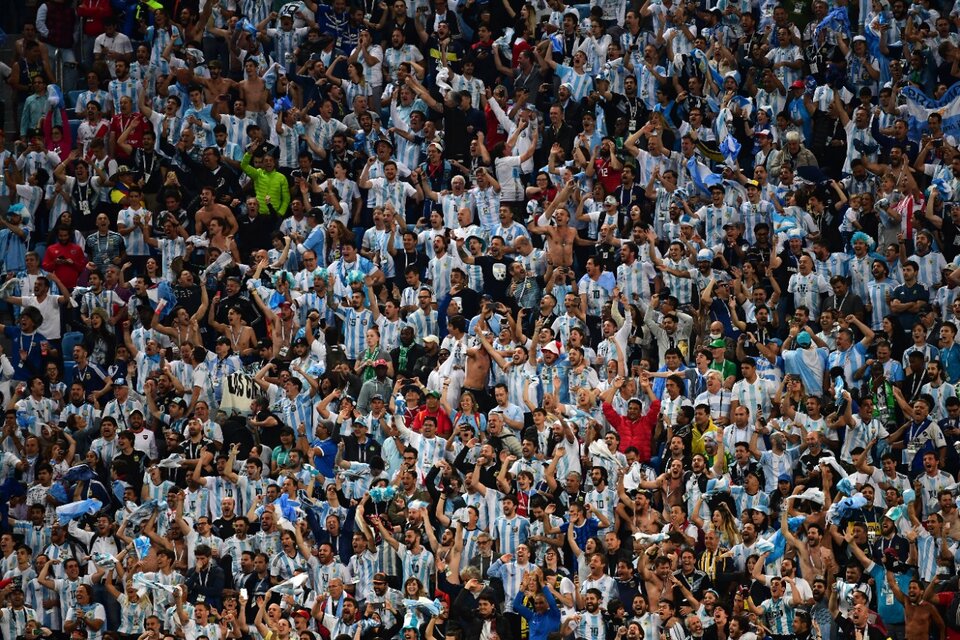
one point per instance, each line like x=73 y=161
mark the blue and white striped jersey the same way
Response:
x=355 y=325
x=511 y=574
x=120 y=88
x=136 y=245
x=511 y=532
x=778 y=616
x=581 y=83
x=417 y=565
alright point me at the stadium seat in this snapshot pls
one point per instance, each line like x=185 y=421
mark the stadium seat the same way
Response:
x=68 y=342
x=72 y=100
x=74 y=125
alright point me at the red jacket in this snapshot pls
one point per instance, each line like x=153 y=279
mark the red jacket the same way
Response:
x=68 y=269
x=93 y=12
x=634 y=433
x=444 y=426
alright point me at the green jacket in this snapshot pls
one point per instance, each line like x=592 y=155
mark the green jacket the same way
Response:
x=268 y=183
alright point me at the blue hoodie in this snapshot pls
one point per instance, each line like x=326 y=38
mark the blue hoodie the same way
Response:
x=541 y=624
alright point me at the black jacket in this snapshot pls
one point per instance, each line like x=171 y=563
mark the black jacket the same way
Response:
x=564 y=136
x=209 y=583
x=352 y=448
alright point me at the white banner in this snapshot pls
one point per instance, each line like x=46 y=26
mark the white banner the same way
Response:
x=239 y=390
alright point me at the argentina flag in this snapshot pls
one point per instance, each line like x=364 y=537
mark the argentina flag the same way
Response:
x=919 y=106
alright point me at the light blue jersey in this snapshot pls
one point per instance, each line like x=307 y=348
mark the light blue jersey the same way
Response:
x=511 y=532
x=135 y=243
x=355 y=325
x=581 y=84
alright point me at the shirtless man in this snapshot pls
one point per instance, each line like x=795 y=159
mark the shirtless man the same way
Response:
x=645 y=519
x=562 y=237
x=253 y=91
x=216 y=86
x=814 y=558
x=477 y=371
x=209 y=210
x=918 y=613
x=670 y=484
x=657 y=581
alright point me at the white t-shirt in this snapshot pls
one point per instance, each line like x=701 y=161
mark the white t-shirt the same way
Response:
x=119 y=43
x=50 y=310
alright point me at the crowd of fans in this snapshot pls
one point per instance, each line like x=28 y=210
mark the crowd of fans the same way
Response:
x=480 y=320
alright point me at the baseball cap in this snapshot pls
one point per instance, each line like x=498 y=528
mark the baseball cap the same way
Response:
x=803 y=339
x=796 y=84
x=380 y=363
x=719 y=343
x=432 y=338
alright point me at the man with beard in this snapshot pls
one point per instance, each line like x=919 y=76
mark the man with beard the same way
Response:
x=813 y=559
x=210 y=209
x=380 y=598
x=803 y=626
x=350 y=622
x=427 y=362
x=417 y=561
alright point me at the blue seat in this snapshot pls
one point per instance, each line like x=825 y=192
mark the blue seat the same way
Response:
x=72 y=99
x=40 y=248
x=68 y=342
x=69 y=367
x=74 y=126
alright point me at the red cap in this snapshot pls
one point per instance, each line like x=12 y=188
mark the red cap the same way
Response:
x=797 y=84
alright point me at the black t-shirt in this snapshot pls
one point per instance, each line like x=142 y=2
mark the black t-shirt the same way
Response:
x=270 y=436
x=609 y=255
x=496 y=276
x=223 y=527
x=188 y=297
x=950 y=233
x=130 y=468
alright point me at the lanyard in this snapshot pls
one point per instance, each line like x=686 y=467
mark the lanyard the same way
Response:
x=33 y=337
x=840 y=304
x=915 y=388
x=147 y=171
x=100 y=248
x=913 y=432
